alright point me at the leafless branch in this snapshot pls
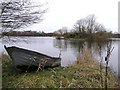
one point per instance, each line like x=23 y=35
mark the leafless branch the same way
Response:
x=16 y=14
x=109 y=51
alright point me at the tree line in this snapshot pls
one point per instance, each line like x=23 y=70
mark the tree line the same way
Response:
x=88 y=28
x=27 y=33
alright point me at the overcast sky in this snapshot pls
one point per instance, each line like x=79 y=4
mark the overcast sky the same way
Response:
x=64 y=13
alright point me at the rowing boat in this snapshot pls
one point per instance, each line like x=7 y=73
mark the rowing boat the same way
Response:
x=24 y=59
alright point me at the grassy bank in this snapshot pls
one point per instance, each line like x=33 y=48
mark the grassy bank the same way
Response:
x=85 y=73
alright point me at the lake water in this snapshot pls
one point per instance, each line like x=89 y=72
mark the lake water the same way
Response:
x=70 y=49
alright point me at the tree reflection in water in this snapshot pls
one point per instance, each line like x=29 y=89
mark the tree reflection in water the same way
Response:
x=95 y=48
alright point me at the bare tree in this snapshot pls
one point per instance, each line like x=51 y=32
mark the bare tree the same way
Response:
x=80 y=25
x=91 y=22
x=99 y=28
x=16 y=14
x=86 y=24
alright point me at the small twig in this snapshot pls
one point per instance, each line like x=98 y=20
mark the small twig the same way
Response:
x=29 y=66
x=39 y=67
x=60 y=54
x=109 y=51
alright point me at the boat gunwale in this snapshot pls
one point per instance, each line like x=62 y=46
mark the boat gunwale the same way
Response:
x=31 y=52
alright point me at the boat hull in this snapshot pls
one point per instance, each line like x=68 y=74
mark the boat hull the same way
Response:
x=26 y=59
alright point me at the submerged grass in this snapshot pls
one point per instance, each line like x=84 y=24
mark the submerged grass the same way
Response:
x=85 y=73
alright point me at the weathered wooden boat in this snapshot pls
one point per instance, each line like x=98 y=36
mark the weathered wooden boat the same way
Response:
x=30 y=60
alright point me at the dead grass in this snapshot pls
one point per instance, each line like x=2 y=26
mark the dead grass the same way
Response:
x=85 y=73
x=92 y=69
x=86 y=58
